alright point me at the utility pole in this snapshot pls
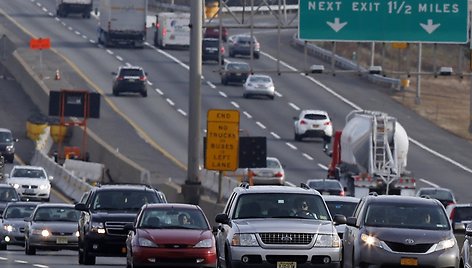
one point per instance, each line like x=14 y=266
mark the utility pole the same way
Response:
x=192 y=189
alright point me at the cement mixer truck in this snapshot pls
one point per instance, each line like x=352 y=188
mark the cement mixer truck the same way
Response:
x=370 y=155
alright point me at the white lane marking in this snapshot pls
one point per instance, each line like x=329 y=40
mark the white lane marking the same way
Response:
x=63 y=24
x=222 y=94
x=159 y=91
x=119 y=58
x=40 y=266
x=3 y=258
x=278 y=94
x=77 y=33
x=109 y=52
x=92 y=41
x=45 y=10
x=50 y=14
x=169 y=56
x=149 y=82
x=307 y=156
x=260 y=125
x=58 y=20
x=84 y=36
x=170 y=102
x=210 y=84
x=248 y=115
x=20 y=261
x=291 y=145
x=323 y=166
x=430 y=183
x=38 y=4
x=275 y=135
x=182 y=112
x=295 y=107
x=70 y=28
x=128 y=64
x=235 y=104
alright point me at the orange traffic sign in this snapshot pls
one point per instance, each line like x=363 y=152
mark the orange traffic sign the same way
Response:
x=222 y=148
x=40 y=43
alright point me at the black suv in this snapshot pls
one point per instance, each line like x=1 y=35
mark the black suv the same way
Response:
x=212 y=50
x=399 y=231
x=235 y=72
x=7 y=145
x=130 y=79
x=105 y=213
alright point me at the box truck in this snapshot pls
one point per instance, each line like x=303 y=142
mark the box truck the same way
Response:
x=172 y=30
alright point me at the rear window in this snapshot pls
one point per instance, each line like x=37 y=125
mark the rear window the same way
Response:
x=339 y=207
x=272 y=163
x=131 y=72
x=324 y=184
x=437 y=194
x=238 y=67
x=5 y=137
x=124 y=200
x=260 y=79
x=210 y=43
x=462 y=214
x=315 y=116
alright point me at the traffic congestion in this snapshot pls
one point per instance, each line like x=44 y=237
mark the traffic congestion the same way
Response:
x=347 y=181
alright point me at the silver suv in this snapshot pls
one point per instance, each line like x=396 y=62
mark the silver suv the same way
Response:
x=277 y=226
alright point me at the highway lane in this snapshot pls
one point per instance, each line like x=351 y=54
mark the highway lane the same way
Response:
x=307 y=94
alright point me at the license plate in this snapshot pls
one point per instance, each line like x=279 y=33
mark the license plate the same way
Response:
x=62 y=240
x=286 y=264
x=131 y=80
x=29 y=191
x=315 y=125
x=123 y=250
x=325 y=193
x=409 y=261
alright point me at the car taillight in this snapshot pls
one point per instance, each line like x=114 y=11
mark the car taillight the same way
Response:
x=142 y=78
x=164 y=32
x=278 y=174
x=251 y=173
x=327 y=123
x=342 y=193
x=222 y=50
x=257 y=45
x=302 y=122
x=119 y=78
x=158 y=25
x=451 y=217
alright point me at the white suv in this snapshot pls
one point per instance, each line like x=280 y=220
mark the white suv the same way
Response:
x=30 y=182
x=277 y=226
x=313 y=123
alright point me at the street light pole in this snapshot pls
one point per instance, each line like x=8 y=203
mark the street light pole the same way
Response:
x=192 y=189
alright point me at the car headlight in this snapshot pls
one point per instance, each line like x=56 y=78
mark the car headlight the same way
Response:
x=44 y=186
x=445 y=244
x=15 y=185
x=10 y=148
x=328 y=241
x=41 y=232
x=8 y=227
x=206 y=243
x=77 y=233
x=97 y=227
x=370 y=240
x=144 y=242
x=244 y=240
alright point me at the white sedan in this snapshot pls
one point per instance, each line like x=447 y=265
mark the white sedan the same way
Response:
x=259 y=85
x=313 y=124
x=30 y=182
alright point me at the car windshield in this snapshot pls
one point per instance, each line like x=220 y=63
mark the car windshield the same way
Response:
x=173 y=218
x=65 y=214
x=238 y=67
x=437 y=194
x=131 y=72
x=5 y=137
x=28 y=173
x=123 y=200
x=324 y=184
x=340 y=207
x=259 y=79
x=409 y=216
x=8 y=194
x=280 y=205
x=315 y=116
x=462 y=214
x=18 y=212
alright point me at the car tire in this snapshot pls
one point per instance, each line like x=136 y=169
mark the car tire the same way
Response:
x=144 y=93
x=224 y=81
x=256 y=56
x=29 y=250
x=245 y=96
x=87 y=259
x=298 y=137
x=115 y=93
x=10 y=159
x=231 y=54
x=3 y=246
x=272 y=97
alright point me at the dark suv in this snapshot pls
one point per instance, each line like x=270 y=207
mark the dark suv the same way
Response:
x=105 y=213
x=212 y=50
x=235 y=72
x=130 y=79
x=398 y=231
x=7 y=145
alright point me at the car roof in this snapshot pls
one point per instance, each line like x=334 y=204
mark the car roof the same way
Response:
x=434 y=189
x=124 y=186
x=171 y=205
x=312 y=111
x=276 y=189
x=349 y=199
x=131 y=67
x=23 y=204
x=5 y=130
x=399 y=199
x=55 y=205
x=27 y=167
x=260 y=75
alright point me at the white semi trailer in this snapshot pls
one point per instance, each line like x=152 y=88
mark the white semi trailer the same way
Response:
x=370 y=155
x=122 y=23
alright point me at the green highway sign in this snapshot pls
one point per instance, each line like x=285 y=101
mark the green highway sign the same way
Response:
x=413 y=21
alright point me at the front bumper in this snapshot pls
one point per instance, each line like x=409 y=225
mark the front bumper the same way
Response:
x=34 y=194
x=377 y=257
x=12 y=238
x=171 y=257
x=105 y=245
x=54 y=242
x=259 y=257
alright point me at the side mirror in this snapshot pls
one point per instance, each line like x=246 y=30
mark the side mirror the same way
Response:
x=27 y=219
x=81 y=207
x=146 y=73
x=214 y=230
x=339 y=219
x=468 y=229
x=16 y=140
x=459 y=227
x=222 y=218
x=50 y=178
x=129 y=227
x=351 y=221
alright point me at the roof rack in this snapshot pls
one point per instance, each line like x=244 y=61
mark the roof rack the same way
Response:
x=244 y=185
x=126 y=183
x=304 y=186
x=373 y=194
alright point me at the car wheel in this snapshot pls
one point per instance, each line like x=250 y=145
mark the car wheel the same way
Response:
x=11 y=159
x=245 y=96
x=227 y=259
x=271 y=97
x=3 y=246
x=224 y=81
x=87 y=259
x=115 y=93
x=298 y=137
x=231 y=54
x=256 y=56
x=29 y=250
x=144 y=93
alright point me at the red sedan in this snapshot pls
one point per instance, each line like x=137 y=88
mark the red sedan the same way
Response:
x=171 y=235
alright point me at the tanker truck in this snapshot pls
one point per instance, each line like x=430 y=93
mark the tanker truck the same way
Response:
x=370 y=155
